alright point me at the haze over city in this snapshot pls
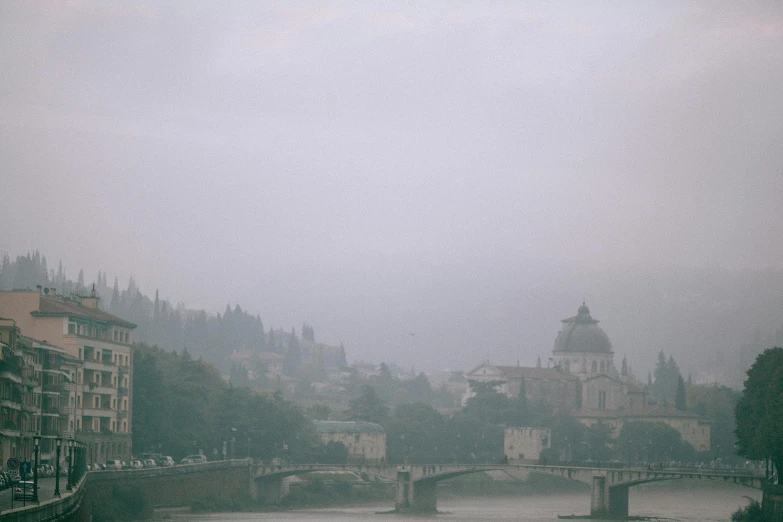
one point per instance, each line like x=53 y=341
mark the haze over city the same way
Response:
x=431 y=185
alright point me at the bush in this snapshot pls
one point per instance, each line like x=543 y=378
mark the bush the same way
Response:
x=750 y=513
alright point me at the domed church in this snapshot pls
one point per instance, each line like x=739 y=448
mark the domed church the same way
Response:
x=582 y=347
x=584 y=382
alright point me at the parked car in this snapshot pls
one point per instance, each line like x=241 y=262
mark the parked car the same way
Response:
x=24 y=490
x=194 y=459
x=166 y=461
x=149 y=463
x=135 y=464
x=113 y=464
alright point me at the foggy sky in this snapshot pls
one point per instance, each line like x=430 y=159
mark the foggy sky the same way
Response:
x=457 y=170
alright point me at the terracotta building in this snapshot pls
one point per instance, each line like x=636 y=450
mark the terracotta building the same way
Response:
x=89 y=366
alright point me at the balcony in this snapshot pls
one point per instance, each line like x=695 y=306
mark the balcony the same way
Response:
x=52 y=410
x=124 y=370
x=101 y=390
x=11 y=404
x=122 y=391
x=122 y=414
x=98 y=366
x=29 y=380
x=97 y=412
x=52 y=387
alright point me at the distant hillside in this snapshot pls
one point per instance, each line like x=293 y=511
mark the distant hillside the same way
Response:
x=213 y=337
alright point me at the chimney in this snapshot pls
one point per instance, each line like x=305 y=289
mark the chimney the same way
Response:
x=92 y=300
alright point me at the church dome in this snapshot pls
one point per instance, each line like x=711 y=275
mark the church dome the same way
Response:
x=582 y=334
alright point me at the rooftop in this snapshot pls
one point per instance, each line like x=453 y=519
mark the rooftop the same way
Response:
x=56 y=306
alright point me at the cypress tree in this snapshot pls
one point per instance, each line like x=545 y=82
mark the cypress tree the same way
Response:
x=679 y=400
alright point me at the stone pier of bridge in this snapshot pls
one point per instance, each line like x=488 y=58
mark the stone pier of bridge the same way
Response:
x=608 y=500
x=418 y=497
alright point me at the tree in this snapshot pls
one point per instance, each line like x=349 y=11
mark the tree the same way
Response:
x=597 y=437
x=759 y=412
x=368 y=406
x=415 y=432
x=491 y=407
x=712 y=402
x=667 y=375
x=333 y=453
x=679 y=399
x=652 y=442
x=523 y=411
x=567 y=437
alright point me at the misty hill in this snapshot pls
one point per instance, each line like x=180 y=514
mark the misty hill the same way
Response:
x=213 y=337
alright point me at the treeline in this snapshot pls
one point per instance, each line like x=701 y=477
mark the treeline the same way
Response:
x=213 y=337
x=416 y=432
x=182 y=406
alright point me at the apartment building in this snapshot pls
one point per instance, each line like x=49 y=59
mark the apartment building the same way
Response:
x=85 y=360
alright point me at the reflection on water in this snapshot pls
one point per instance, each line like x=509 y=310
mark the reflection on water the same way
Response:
x=675 y=500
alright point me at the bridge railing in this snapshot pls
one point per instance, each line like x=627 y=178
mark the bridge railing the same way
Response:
x=54 y=509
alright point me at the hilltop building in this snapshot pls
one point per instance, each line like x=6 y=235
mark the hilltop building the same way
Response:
x=81 y=359
x=585 y=383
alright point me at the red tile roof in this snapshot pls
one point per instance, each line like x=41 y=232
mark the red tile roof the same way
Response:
x=52 y=306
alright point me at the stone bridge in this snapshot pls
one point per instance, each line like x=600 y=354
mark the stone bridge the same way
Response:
x=416 y=485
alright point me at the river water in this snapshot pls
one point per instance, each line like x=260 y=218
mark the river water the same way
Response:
x=689 y=501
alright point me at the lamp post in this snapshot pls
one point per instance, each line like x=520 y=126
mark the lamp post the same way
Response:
x=37 y=443
x=69 y=485
x=59 y=443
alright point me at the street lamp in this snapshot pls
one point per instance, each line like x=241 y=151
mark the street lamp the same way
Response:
x=57 y=469
x=69 y=487
x=37 y=443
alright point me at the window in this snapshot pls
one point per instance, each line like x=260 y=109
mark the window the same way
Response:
x=72 y=328
x=601 y=400
x=97 y=402
x=595 y=366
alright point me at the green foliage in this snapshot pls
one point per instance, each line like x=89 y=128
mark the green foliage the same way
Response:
x=652 y=442
x=368 y=406
x=667 y=376
x=597 y=438
x=415 y=433
x=491 y=407
x=318 y=492
x=319 y=412
x=713 y=403
x=750 y=513
x=568 y=435
x=182 y=406
x=332 y=453
x=759 y=412
x=679 y=399
x=395 y=391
